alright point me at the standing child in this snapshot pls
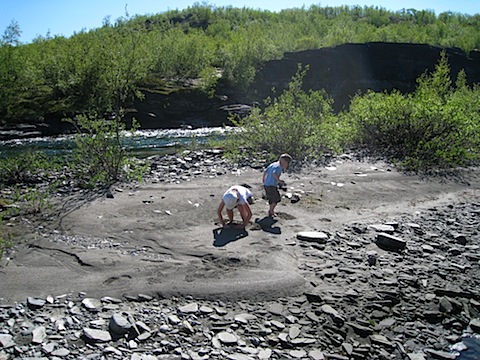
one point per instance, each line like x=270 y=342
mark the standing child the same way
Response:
x=236 y=197
x=271 y=179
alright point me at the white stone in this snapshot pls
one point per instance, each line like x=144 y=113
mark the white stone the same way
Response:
x=227 y=338
x=6 y=340
x=314 y=236
x=92 y=304
x=39 y=335
x=327 y=309
x=189 y=308
x=97 y=335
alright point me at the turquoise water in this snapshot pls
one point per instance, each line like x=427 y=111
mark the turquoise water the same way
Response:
x=141 y=143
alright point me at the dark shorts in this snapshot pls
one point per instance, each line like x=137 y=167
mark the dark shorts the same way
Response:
x=273 y=195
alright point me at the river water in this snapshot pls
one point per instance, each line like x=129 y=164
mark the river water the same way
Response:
x=141 y=143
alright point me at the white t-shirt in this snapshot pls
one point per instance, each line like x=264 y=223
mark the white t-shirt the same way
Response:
x=243 y=193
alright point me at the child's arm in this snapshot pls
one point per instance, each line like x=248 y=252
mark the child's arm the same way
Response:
x=277 y=177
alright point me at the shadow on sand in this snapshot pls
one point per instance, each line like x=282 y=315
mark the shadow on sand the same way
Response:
x=223 y=236
x=266 y=225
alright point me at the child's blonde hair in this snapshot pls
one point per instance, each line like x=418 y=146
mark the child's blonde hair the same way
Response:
x=286 y=157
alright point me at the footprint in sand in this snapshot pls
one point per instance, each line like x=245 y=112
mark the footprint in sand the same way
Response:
x=285 y=216
x=122 y=279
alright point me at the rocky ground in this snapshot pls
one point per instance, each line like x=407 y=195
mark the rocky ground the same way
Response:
x=362 y=262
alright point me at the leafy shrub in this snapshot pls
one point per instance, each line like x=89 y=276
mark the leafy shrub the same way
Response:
x=435 y=127
x=297 y=122
x=23 y=168
x=99 y=157
x=24 y=200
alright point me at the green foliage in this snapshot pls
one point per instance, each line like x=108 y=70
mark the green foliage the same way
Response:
x=208 y=80
x=26 y=183
x=11 y=35
x=27 y=200
x=101 y=70
x=99 y=156
x=24 y=168
x=300 y=123
x=437 y=126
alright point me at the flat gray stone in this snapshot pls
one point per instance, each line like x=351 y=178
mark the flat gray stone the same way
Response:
x=92 y=304
x=206 y=309
x=382 y=228
x=6 y=340
x=390 y=242
x=441 y=355
x=174 y=319
x=264 y=354
x=316 y=355
x=293 y=332
x=62 y=352
x=238 y=356
x=34 y=303
x=227 y=338
x=416 y=356
x=244 y=318
x=381 y=340
x=475 y=325
x=189 y=308
x=360 y=329
x=298 y=354
x=277 y=324
x=327 y=309
x=97 y=335
x=276 y=309
x=119 y=325
x=39 y=335
x=313 y=236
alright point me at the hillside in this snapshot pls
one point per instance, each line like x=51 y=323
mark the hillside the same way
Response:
x=203 y=51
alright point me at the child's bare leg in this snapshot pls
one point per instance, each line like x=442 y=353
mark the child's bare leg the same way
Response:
x=230 y=215
x=271 y=210
x=246 y=216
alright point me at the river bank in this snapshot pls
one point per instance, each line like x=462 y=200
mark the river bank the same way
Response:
x=153 y=253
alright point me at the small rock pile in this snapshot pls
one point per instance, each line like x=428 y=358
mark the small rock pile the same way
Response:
x=188 y=165
x=411 y=285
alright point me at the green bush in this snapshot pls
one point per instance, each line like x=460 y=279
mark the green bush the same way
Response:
x=27 y=200
x=437 y=126
x=99 y=157
x=24 y=168
x=300 y=123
